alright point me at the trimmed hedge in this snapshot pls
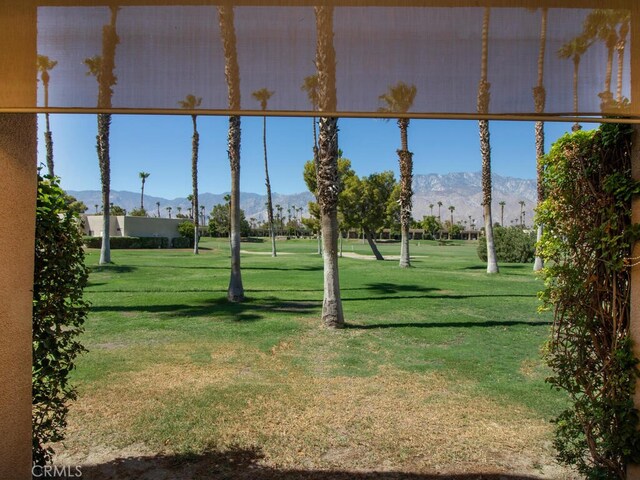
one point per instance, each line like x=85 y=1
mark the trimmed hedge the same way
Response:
x=128 y=242
x=182 y=242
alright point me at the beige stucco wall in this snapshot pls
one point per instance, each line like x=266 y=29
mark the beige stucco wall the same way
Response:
x=122 y=226
x=93 y=225
x=151 y=227
x=18 y=142
x=18 y=194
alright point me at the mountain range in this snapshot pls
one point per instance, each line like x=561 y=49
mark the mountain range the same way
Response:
x=462 y=190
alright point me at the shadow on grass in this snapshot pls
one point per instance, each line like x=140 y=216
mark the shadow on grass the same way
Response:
x=249 y=310
x=154 y=290
x=245 y=464
x=511 y=267
x=388 y=288
x=310 y=268
x=112 y=268
x=488 y=323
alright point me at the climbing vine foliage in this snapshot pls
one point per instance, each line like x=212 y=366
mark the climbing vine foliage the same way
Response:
x=59 y=313
x=587 y=245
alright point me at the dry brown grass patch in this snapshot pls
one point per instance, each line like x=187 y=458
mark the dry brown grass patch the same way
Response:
x=391 y=421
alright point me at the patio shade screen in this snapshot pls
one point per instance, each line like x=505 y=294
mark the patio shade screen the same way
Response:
x=452 y=59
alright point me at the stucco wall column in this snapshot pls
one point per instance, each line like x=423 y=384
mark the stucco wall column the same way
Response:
x=17 y=228
x=18 y=139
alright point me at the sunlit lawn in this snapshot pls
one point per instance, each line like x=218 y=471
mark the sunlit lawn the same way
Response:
x=439 y=368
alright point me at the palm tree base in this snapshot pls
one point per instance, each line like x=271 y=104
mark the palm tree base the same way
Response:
x=538 y=264
x=235 y=297
x=332 y=316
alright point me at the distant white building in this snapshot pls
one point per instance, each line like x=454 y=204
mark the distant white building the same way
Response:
x=127 y=226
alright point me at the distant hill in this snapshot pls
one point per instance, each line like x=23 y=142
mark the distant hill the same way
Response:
x=462 y=190
x=252 y=203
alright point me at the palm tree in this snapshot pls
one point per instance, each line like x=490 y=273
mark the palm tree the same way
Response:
x=179 y=210
x=625 y=21
x=327 y=165
x=539 y=98
x=102 y=68
x=235 y=291
x=44 y=65
x=96 y=206
x=574 y=49
x=158 y=207
x=522 y=204
x=399 y=99
x=602 y=24
x=502 y=204
x=451 y=209
x=191 y=102
x=439 y=205
x=263 y=95
x=484 y=97
x=168 y=209
x=143 y=176
x=431 y=208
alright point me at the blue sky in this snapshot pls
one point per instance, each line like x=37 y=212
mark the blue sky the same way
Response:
x=161 y=145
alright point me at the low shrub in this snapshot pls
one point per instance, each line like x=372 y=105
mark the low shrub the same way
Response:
x=181 y=242
x=187 y=229
x=128 y=242
x=513 y=245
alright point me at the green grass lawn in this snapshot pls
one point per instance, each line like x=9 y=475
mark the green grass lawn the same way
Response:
x=439 y=366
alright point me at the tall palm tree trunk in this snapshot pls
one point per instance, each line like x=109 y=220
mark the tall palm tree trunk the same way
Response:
x=485 y=149
x=619 y=79
x=576 y=69
x=106 y=82
x=538 y=263
x=236 y=289
x=406 y=176
x=104 y=124
x=609 y=73
x=327 y=171
x=606 y=96
x=484 y=97
x=620 y=47
x=539 y=97
x=235 y=292
x=194 y=180
x=272 y=232
x=48 y=142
